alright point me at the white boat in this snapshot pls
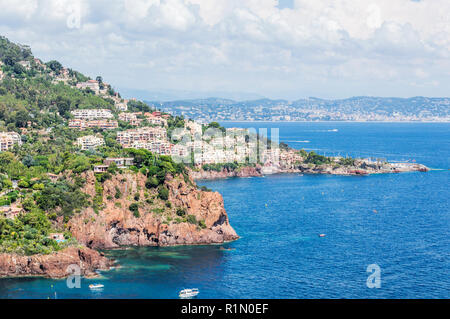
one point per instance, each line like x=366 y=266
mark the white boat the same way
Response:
x=96 y=286
x=188 y=293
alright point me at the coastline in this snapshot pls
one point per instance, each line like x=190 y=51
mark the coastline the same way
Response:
x=334 y=121
x=55 y=265
x=260 y=171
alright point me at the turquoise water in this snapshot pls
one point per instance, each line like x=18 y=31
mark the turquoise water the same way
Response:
x=398 y=221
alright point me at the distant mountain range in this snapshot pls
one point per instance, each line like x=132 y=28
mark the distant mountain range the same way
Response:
x=164 y=95
x=361 y=108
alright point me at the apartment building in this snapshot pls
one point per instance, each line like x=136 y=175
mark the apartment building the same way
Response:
x=92 y=114
x=90 y=142
x=130 y=118
x=144 y=134
x=194 y=127
x=8 y=140
x=103 y=124
x=155 y=119
x=158 y=147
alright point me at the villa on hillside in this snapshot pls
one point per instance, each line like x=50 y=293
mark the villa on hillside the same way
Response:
x=91 y=84
x=8 y=140
x=121 y=162
x=130 y=118
x=90 y=142
x=155 y=119
x=57 y=236
x=10 y=212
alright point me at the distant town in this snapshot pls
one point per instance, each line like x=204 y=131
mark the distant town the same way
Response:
x=312 y=109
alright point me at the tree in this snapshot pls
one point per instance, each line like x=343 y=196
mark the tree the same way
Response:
x=152 y=182
x=55 y=66
x=163 y=193
x=63 y=105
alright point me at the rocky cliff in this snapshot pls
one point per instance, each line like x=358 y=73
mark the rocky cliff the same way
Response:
x=188 y=217
x=54 y=265
x=361 y=167
x=248 y=171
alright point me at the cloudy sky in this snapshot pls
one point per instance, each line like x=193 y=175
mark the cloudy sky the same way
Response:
x=278 y=49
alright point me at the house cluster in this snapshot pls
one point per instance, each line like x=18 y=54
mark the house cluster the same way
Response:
x=8 y=140
x=90 y=118
x=102 y=124
x=63 y=76
x=215 y=148
x=90 y=84
x=136 y=118
x=153 y=139
x=99 y=88
x=91 y=114
x=120 y=162
x=90 y=142
x=130 y=118
x=25 y=64
x=119 y=103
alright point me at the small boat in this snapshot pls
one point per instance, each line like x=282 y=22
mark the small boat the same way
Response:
x=322 y=235
x=188 y=293
x=96 y=286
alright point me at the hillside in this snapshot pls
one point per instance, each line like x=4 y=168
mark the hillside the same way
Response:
x=58 y=128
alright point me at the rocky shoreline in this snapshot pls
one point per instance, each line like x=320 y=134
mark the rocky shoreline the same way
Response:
x=116 y=226
x=361 y=168
x=54 y=265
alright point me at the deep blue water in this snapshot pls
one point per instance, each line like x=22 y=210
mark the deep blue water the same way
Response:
x=400 y=222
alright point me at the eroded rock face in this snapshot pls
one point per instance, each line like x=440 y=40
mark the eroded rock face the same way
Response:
x=157 y=224
x=248 y=171
x=54 y=265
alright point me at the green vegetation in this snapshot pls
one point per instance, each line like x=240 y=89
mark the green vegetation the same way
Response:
x=163 y=193
x=348 y=161
x=221 y=166
x=134 y=208
x=316 y=159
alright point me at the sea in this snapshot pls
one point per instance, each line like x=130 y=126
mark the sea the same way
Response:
x=306 y=236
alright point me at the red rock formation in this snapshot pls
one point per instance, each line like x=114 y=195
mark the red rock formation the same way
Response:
x=248 y=171
x=54 y=265
x=115 y=225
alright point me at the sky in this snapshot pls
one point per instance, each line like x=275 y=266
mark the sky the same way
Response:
x=277 y=49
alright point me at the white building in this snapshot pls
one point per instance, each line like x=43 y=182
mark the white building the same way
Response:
x=8 y=140
x=158 y=147
x=91 y=84
x=144 y=134
x=92 y=114
x=89 y=142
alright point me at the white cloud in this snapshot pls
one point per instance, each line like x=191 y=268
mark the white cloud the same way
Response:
x=315 y=48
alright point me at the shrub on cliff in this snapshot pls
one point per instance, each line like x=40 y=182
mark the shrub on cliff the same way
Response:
x=191 y=219
x=118 y=193
x=163 y=193
x=152 y=182
x=134 y=208
x=181 y=212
